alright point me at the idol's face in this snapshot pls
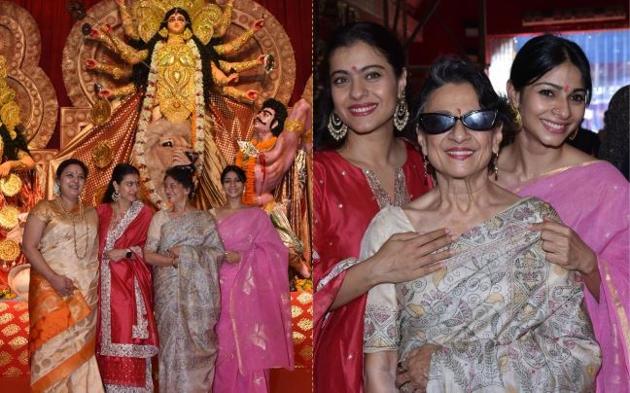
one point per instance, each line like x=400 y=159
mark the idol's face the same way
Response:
x=176 y=23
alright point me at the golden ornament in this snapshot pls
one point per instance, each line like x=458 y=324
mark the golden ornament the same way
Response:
x=9 y=217
x=102 y=155
x=11 y=185
x=101 y=111
x=9 y=250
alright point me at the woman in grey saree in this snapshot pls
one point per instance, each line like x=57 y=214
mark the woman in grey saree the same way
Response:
x=498 y=317
x=184 y=245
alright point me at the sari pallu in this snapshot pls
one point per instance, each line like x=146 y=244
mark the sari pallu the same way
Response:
x=254 y=328
x=505 y=319
x=186 y=300
x=593 y=199
x=63 y=329
x=127 y=332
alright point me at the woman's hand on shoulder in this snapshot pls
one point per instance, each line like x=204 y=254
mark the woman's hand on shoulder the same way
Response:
x=564 y=247
x=409 y=255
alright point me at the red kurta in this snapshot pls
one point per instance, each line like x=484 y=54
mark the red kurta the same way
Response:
x=126 y=331
x=344 y=207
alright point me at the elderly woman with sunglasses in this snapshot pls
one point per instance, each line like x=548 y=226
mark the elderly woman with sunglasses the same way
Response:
x=498 y=316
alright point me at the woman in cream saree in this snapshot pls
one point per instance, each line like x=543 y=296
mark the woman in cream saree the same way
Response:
x=184 y=246
x=61 y=243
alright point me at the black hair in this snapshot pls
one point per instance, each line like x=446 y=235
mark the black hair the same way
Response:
x=140 y=71
x=614 y=147
x=455 y=70
x=184 y=175
x=71 y=161
x=118 y=174
x=280 y=116
x=544 y=52
x=12 y=146
x=374 y=35
x=236 y=169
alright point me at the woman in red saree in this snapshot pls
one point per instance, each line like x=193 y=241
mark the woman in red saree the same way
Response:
x=127 y=334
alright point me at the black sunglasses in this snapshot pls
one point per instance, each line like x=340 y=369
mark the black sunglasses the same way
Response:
x=438 y=123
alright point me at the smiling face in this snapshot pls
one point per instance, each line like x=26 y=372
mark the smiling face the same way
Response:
x=552 y=108
x=233 y=186
x=128 y=187
x=71 y=181
x=364 y=88
x=460 y=152
x=175 y=192
x=176 y=23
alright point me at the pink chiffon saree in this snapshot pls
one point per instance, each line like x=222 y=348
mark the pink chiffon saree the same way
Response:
x=254 y=328
x=593 y=200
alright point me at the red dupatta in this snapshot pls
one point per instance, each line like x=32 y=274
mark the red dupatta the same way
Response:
x=127 y=332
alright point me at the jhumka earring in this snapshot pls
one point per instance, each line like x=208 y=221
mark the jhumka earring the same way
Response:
x=495 y=166
x=337 y=128
x=516 y=116
x=401 y=114
x=163 y=32
x=56 y=189
x=187 y=34
x=115 y=196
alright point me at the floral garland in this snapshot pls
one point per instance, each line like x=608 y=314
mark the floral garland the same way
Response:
x=198 y=120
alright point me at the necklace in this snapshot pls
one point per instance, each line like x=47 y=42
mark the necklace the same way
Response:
x=74 y=227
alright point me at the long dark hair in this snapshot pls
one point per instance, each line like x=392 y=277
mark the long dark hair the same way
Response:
x=543 y=53
x=118 y=174
x=374 y=35
x=13 y=146
x=140 y=72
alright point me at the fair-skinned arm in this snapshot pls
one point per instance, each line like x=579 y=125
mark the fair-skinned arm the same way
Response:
x=403 y=257
x=30 y=246
x=380 y=372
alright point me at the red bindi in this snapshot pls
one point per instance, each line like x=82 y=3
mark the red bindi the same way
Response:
x=566 y=88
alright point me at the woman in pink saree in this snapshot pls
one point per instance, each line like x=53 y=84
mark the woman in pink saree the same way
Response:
x=550 y=85
x=254 y=328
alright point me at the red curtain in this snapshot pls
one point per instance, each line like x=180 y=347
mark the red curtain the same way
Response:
x=55 y=23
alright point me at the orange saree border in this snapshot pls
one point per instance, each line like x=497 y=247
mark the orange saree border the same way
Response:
x=50 y=313
x=66 y=367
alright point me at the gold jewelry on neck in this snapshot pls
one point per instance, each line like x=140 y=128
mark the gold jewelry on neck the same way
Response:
x=74 y=227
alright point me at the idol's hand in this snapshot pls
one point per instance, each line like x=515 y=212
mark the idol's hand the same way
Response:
x=5 y=169
x=232 y=78
x=258 y=24
x=565 y=248
x=90 y=64
x=251 y=94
